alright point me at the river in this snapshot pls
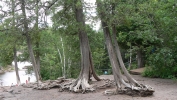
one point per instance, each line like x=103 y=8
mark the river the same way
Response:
x=8 y=78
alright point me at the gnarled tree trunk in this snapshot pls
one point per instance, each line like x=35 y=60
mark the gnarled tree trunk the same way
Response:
x=87 y=69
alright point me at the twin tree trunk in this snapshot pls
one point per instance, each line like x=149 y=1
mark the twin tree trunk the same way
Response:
x=87 y=69
x=115 y=58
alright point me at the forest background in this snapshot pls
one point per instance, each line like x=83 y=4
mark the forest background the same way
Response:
x=146 y=33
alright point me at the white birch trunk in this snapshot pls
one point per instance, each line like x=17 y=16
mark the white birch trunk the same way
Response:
x=64 y=60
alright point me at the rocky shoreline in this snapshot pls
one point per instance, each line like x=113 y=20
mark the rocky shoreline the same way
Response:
x=8 y=69
x=9 y=92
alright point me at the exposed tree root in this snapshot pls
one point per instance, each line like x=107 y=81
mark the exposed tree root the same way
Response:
x=136 y=91
x=82 y=86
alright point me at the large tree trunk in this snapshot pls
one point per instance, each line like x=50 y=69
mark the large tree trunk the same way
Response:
x=86 y=59
x=16 y=66
x=28 y=39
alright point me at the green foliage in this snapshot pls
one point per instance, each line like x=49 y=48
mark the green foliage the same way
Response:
x=6 y=57
x=151 y=26
x=163 y=64
x=6 y=49
x=163 y=60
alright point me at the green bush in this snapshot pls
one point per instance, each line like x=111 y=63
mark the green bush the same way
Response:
x=162 y=64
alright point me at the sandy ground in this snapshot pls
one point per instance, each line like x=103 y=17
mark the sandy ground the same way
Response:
x=165 y=89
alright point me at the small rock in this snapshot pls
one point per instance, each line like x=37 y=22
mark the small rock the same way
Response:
x=1 y=97
x=10 y=91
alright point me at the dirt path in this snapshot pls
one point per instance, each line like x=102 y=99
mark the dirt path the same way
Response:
x=165 y=89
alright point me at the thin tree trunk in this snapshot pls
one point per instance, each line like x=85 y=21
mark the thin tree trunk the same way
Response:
x=113 y=59
x=117 y=50
x=16 y=66
x=130 y=59
x=37 y=57
x=69 y=64
x=69 y=67
x=38 y=63
x=15 y=51
x=61 y=60
x=28 y=39
x=64 y=60
x=140 y=58
x=128 y=76
x=59 y=53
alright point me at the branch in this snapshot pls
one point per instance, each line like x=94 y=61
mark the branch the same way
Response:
x=51 y=4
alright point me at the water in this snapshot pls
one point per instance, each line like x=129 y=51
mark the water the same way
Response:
x=8 y=78
x=22 y=64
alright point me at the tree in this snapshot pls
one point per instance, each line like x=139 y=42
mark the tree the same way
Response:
x=162 y=58
x=87 y=69
x=28 y=39
x=10 y=32
x=15 y=51
x=37 y=37
x=114 y=54
x=136 y=28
